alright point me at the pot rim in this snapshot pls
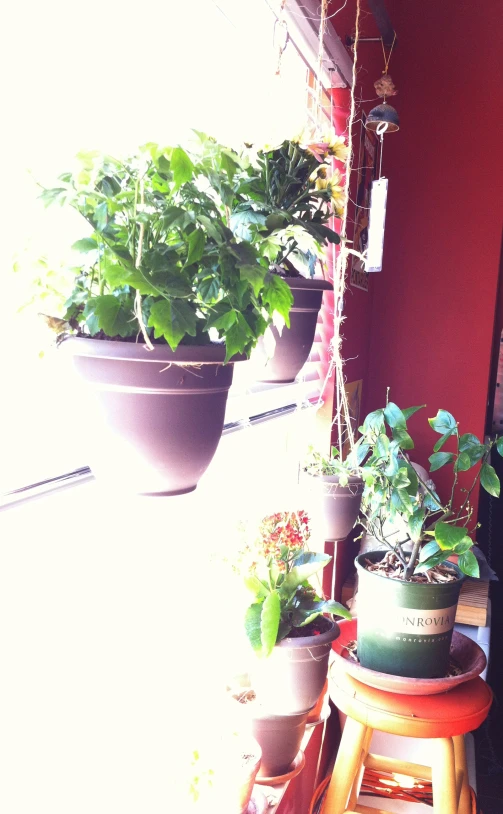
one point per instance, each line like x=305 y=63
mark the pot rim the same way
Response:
x=138 y=352
x=414 y=585
x=353 y=479
x=311 y=641
x=312 y=283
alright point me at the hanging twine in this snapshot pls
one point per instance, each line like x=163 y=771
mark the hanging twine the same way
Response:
x=384 y=85
x=281 y=24
x=319 y=61
x=137 y=301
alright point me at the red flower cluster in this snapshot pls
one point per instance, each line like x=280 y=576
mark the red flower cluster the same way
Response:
x=280 y=530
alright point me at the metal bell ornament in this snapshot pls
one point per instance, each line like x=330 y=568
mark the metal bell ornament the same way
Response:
x=383 y=117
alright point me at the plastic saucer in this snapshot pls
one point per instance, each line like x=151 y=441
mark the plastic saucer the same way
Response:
x=295 y=769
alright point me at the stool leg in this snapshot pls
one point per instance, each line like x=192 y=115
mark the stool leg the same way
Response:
x=465 y=805
x=353 y=797
x=346 y=767
x=444 y=777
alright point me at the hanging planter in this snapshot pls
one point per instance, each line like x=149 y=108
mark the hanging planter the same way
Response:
x=157 y=416
x=335 y=505
x=293 y=345
x=405 y=628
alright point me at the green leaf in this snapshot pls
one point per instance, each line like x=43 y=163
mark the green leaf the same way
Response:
x=112 y=315
x=469 y=564
x=409 y=411
x=374 y=421
x=431 y=562
x=241 y=222
x=253 y=626
x=416 y=521
x=448 y=536
x=438 y=446
x=225 y=321
x=470 y=444
x=269 y=622
x=489 y=480
x=432 y=501
x=402 y=437
x=382 y=445
x=172 y=319
x=439 y=459
x=277 y=296
x=101 y=216
x=86 y=244
x=462 y=462
x=443 y=422
x=196 y=241
x=401 y=479
x=401 y=501
x=463 y=546
x=335 y=608
x=253 y=275
x=428 y=551
x=413 y=480
x=181 y=167
x=304 y=567
x=237 y=336
x=394 y=416
x=499 y=445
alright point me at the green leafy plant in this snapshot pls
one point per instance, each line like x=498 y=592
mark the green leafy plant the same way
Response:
x=433 y=529
x=280 y=567
x=333 y=465
x=285 y=197
x=160 y=258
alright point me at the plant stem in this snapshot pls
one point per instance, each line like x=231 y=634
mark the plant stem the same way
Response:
x=412 y=560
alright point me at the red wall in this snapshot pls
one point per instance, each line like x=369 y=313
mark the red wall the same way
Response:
x=434 y=302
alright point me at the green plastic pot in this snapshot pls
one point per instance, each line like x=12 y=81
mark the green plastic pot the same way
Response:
x=404 y=628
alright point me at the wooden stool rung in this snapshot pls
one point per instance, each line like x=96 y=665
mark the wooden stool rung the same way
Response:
x=380 y=763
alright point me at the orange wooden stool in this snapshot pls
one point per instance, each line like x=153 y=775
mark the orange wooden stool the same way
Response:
x=444 y=718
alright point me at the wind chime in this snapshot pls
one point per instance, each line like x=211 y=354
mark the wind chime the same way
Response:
x=381 y=119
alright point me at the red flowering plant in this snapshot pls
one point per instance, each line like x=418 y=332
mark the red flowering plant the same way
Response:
x=279 y=566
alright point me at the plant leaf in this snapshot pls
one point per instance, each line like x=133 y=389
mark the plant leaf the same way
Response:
x=374 y=421
x=409 y=411
x=447 y=536
x=269 y=622
x=462 y=462
x=181 y=167
x=443 y=422
x=86 y=244
x=402 y=437
x=172 y=319
x=196 y=242
x=256 y=586
x=253 y=275
x=471 y=446
x=489 y=480
x=278 y=296
x=469 y=564
x=394 y=416
x=499 y=445
x=253 y=627
x=111 y=315
x=439 y=459
x=428 y=550
x=416 y=521
x=436 y=559
x=438 y=446
x=335 y=608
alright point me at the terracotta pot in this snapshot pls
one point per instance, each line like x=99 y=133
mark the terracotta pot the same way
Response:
x=294 y=344
x=335 y=507
x=280 y=738
x=157 y=416
x=291 y=679
x=404 y=628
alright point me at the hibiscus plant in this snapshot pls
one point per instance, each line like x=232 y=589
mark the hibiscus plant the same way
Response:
x=159 y=258
x=430 y=529
x=279 y=567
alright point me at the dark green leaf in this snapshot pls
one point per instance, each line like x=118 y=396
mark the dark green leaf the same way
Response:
x=409 y=411
x=335 y=608
x=443 y=422
x=439 y=459
x=432 y=501
x=254 y=275
x=431 y=562
x=237 y=336
x=489 y=480
x=111 y=315
x=463 y=546
x=448 y=536
x=196 y=241
x=438 y=446
x=471 y=446
x=401 y=501
x=181 y=167
x=172 y=319
x=394 y=416
x=277 y=296
x=382 y=445
x=302 y=570
x=413 y=480
x=462 y=462
x=374 y=421
x=416 y=521
x=402 y=437
x=428 y=550
x=499 y=445
x=469 y=564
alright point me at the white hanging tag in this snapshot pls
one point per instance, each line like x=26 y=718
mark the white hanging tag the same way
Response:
x=377 y=217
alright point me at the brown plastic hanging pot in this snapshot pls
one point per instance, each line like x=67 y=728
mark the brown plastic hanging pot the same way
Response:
x=294 y=344
x=157 y=416
x=334 y=507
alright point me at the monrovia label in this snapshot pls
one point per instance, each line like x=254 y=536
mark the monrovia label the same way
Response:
x=418 y=621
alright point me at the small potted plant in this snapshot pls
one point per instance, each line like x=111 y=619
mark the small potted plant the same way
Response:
x=289 y=193
x=336 y=486
x=286 y=623
x=407 y=594
x=165 y=299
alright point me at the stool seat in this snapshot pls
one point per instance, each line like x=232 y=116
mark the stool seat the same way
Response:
x=419 y=716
